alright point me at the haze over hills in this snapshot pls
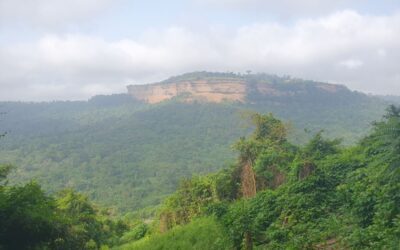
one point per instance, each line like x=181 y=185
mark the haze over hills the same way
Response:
x=129 y=151
x=391 y=98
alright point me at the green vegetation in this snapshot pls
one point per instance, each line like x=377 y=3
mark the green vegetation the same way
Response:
x=317 y=196
x=276 y=195
x=204 y=233
x=128 y=155
x=30 y=219
x=123 y=158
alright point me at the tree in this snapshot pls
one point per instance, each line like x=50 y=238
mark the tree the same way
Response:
x=239 y=221
x=2 y=134
x=83 y=225
x=4 y=171
x=267 y=127
x=28 y=218
x=319 y=147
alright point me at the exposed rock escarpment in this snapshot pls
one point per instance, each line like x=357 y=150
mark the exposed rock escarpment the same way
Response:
x=217 y=87
x=211 y=91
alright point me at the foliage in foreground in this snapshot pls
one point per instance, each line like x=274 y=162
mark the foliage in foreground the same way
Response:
x=30 y=219
x=204 y=233
x=317 y=196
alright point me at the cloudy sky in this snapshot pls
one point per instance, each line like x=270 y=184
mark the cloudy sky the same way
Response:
x=59 y=49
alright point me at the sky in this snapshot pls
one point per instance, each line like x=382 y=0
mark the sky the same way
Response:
x=72 y=50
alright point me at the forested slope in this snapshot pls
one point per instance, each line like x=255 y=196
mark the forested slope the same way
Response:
x=281 y=196
x=276 y=195
x=128 y=154
x=128 y=160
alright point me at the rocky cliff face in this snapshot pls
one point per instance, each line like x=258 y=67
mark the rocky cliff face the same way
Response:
x=220 y=89
x=206 y=90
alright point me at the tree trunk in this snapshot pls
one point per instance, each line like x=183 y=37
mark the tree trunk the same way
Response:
x=248 y=241
x=248 y=181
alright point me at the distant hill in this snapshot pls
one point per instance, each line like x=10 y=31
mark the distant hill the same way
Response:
x=307 y=104
x=390 y=98
x=131 y=150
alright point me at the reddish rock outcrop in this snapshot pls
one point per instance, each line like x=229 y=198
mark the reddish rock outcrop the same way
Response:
x=219 y=89
x=206 y=90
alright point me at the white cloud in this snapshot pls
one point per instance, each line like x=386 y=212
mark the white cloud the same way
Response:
x=49 y=12
x=381 y=52
x=351 y=63
x=288 y=8
x=76 y=66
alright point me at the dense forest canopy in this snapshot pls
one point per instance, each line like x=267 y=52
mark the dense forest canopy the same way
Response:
x=320 y=195
x=31 y=219
x=276 y=195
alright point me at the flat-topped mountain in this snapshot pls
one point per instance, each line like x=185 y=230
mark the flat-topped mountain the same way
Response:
x=218 y=87
x=140 y=151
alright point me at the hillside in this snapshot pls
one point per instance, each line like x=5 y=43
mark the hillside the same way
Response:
x=390 y=98
x=306 y=104
x=275 y=195
x=129 y=154
x=281 y=196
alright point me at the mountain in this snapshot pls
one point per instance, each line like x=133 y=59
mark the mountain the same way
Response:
x=129 y=151
x=307 y=104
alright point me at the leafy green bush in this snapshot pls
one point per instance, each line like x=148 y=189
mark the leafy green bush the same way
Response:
x=136 y=233
x=200 y=234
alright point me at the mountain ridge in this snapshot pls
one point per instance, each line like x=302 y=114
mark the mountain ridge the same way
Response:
x=219 y=87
